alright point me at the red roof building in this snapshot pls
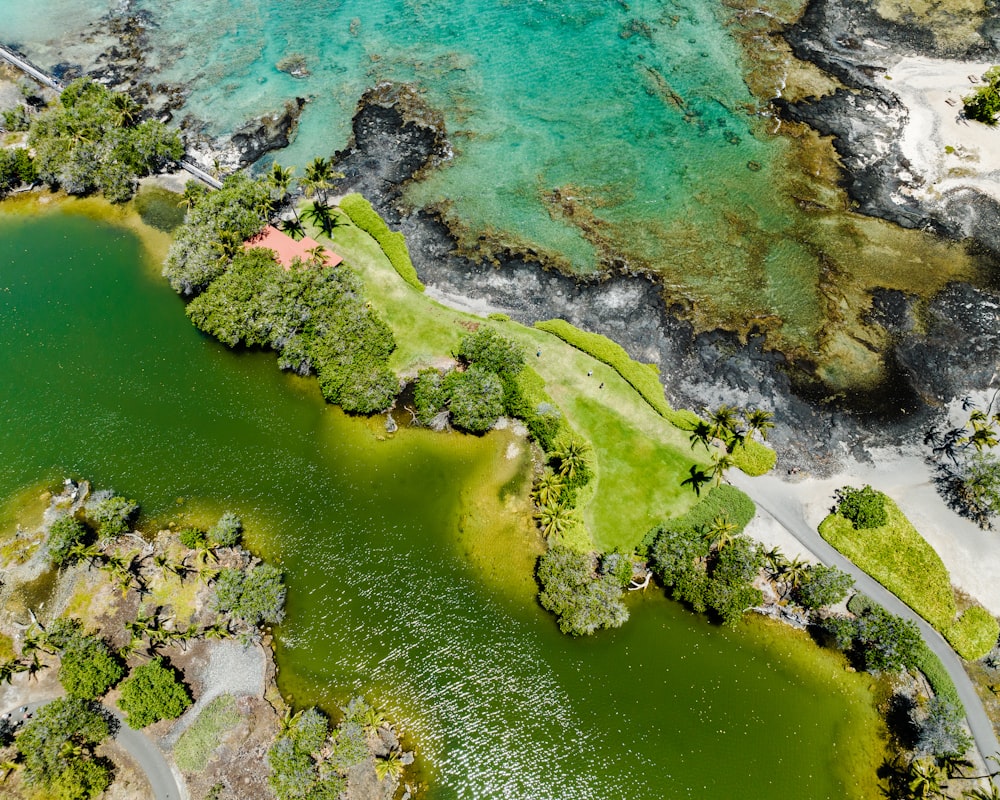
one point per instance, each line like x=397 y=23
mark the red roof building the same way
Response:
x=286 y=249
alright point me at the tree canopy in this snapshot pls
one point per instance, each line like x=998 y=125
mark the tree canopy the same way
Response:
x=65 y=534
x=582 y=599
x=151 y=693
x=113 y=515
x=864 y=507
x=91 y=140
x=57 y=748
x=255 y=596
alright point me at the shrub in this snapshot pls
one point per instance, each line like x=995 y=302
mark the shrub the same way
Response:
x=88 y=668
x=393 y=244
x=227 y=530
x=983 y=105
x=151 y=693
x=114 y=515
x=526 y=399
x=476 y=399
x=582 y=600
x=196 y=745
x=974 y=633
x=941 y=730
x=865 y=508
x=492 y=352
x=754 y=458
x=937 y=676
x=192 y=538
x=256 y=596
x=887 y=642
x=64 y=534
x=823 y=586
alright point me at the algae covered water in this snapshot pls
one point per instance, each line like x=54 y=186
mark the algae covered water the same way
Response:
x=103 y=377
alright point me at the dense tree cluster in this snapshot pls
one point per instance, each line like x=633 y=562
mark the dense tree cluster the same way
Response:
x=255 y=596
x=584 y=593
x=968 y=468
x=151 y=693
x=216 y=226
x=16 y=167
x=710 y=568
x=309 y=760
x=865 y=507
x=92 y=140
x=88 y=668
x=478 y=393
x=57 y=749
x=315 y=317
x=882 y=641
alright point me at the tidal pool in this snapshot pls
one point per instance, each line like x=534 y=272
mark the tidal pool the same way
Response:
x=393 y=591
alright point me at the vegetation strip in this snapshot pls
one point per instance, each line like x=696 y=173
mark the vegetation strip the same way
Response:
x=393 y=243
x=899 y=558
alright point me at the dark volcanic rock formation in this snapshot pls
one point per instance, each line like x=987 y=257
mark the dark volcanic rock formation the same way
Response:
x=396 y=137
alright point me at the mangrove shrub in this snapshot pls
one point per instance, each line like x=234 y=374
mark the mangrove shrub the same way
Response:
x=151 y=693
x=582 y=599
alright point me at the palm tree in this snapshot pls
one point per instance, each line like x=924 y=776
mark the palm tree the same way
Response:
x=193 y=192
x=954 y=764
x=719 y=533
x=722 y=422
x=390 y=765
x=319 y=177
x=572 y=454
x=373 y=719
x=720 y=463
x=226 y=246
x=776 y=562
x=548 y=488
x=701 y=434
x=280 y=181
x=983 y=437
x=317 y=254
x=125 y=109
x=925 y=779
x=989 y=793
x=555 y=518
x=794 y=574
x=697 y=478
x=758 y=420
x=8 y=669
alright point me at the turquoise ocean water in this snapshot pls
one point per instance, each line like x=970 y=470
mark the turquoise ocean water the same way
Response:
x=638 y=110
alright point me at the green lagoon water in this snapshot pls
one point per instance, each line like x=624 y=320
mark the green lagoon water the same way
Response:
x=102 y=376
x=638 y=112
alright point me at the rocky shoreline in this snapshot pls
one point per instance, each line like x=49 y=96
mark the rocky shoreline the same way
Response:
x=396 y=138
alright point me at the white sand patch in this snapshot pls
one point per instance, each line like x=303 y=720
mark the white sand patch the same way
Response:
x=971 y=555
x=769 y=532
x=946 y=150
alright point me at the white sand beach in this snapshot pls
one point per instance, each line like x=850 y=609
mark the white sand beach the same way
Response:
x=945 y=150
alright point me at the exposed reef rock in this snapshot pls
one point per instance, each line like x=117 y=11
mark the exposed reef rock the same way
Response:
x=392 y=142
x=848 y=39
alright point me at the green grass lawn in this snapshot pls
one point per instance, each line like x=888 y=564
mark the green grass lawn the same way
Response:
x=641 y=458
x=899 y=558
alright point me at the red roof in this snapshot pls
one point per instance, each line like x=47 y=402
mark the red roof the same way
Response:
x=286 y=249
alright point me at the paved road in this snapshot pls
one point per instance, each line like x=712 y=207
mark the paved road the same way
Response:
x=772 y=495
x=146 y=754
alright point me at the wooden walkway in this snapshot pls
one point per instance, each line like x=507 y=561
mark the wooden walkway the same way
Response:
x=45 y=79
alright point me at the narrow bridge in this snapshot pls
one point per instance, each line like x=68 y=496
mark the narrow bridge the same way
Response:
x=45 y=79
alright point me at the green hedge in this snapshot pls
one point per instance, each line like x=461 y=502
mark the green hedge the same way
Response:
x=644 y=378
x=754 y=458
x=393 y=243
x=975 y=632
x=723 y=499
x=899 y=558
